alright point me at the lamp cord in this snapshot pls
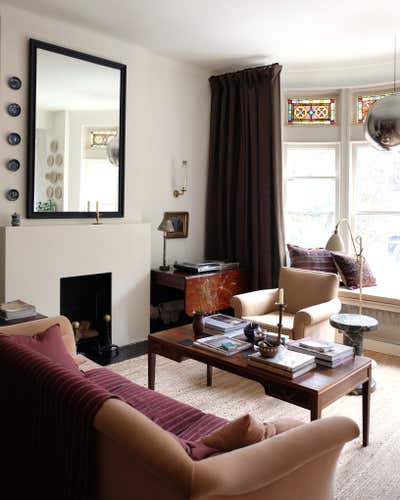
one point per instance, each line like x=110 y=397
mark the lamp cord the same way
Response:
x=394 y=63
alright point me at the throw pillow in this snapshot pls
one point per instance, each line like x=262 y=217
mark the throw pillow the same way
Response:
x=50 y=344
x=349 y=271
x=242 y=431
x=314 y=259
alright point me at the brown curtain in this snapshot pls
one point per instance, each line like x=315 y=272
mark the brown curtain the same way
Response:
x=244 y=199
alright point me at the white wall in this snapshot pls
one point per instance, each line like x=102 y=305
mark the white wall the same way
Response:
x=167 y=121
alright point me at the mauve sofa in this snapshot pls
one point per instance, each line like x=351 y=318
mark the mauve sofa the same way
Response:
x=139 y=460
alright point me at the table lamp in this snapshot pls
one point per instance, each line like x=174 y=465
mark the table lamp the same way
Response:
x=165 y=226
x=335 y=244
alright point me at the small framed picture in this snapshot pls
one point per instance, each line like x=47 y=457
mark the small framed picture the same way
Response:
x=180 y=221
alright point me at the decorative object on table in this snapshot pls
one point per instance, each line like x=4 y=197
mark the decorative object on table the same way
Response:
x=15 y=219
x=205 y=267
x=16 y=309
x=327 y=354
x=253 y=332
x=54 y=146
x=281 y=308
x=50 y=192
x=59 y=159
x=222 y=344
x=12 y=194
x=13 y=165
x=354 y=326
x=180 y=224
x=50 y=161
x=14 y=109
x=166 y=227
x=14 y=83
x=348 y=268
x=288 y=364
x=112 y=150
x=97 y=223
x=13 y=139
x=267 y=350
x=182 y=188
x=335 y=244
x=58 y=192
x=198 y=324
x=382 y=123
x=314 y=259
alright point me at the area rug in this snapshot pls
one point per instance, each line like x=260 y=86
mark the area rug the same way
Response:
x=370 y=473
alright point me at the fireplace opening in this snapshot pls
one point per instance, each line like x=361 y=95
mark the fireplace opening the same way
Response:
x=86 y=302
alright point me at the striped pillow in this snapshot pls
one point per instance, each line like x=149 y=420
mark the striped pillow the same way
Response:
x=314 y=259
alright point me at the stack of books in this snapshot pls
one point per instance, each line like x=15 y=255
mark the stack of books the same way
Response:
x=286 y=363
x=17 y=309
x=222 y=344
x=326 y=353
x=219 y=324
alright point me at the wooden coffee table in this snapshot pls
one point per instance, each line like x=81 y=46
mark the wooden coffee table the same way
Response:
x=313 y=391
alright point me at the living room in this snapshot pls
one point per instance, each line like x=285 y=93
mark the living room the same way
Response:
x=145 y=135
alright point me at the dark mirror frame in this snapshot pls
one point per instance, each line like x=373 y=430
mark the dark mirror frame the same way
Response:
x=34 y=45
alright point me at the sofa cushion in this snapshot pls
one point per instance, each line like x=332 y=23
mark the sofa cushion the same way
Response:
x=313 y=259
x=49 y=343
x=180 y=419
x=349 y=271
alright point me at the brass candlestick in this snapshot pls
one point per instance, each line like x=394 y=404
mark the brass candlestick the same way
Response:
x=281 y=308
x=97 y=215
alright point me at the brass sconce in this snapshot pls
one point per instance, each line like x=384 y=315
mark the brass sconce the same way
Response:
x=181 y=190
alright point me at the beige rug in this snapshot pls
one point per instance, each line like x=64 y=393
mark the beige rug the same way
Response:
x=371 y=473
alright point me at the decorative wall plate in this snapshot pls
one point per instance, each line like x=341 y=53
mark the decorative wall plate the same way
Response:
x=13 y=165
x=53 y=177
x=60 y=176
x=14 y=83
x=54 y=146
x=14 y=139
x=50 y=160
x=50 y=192
x=14 y=109
x=58 y=192
x=59 y=160
x=12 y=194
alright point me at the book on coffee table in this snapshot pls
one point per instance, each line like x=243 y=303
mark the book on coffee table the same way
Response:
x=333 y=355
x=222 y=344
x=222 y=323
x=286 y=363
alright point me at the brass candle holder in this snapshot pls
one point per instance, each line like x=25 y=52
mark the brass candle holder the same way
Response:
x=281 y=308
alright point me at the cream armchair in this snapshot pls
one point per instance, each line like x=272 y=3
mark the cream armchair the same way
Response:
x=311 y=298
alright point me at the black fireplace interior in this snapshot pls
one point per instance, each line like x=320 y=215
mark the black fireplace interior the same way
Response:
x=87 y=300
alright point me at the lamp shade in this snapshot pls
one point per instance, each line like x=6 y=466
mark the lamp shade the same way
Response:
x=166 y=226
x=335 y=243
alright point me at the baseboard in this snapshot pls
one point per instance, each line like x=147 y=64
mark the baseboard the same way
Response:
x=382 y=347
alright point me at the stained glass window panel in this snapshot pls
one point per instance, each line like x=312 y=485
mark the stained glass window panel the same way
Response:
x=312 y=111
x=364 y=103
x=101 y=138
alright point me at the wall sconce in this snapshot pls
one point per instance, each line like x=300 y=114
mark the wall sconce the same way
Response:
x=183 y=188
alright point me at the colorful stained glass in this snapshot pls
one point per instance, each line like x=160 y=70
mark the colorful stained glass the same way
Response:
x=312 y=111
x=364 y=103
x=101 y=138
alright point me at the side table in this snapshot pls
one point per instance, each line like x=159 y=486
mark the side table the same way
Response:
x=354 y=326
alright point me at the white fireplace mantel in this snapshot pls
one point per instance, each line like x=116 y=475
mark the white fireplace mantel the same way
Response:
x=34 y=258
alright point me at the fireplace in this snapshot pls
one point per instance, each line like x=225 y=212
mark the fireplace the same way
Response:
x=86 y=302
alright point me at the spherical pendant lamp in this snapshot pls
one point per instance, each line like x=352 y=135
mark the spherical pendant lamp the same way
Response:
x=113 y=151
x=382 y=124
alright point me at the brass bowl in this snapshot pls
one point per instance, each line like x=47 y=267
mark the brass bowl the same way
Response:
x=267 y=350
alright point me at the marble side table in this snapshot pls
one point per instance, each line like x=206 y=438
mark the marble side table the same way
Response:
x=354 y=326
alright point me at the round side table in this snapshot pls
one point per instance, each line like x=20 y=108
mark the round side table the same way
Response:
x=354 y=326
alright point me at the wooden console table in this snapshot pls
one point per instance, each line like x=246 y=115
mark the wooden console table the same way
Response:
x=225 y=284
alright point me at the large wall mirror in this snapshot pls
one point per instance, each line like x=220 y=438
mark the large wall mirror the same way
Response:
x=76 y=145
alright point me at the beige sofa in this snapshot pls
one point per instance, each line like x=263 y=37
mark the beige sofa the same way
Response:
x=137 y=460
x=311 y=298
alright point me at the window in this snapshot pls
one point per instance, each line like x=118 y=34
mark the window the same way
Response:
x=101 y=138
x=310 y=193
x=98 y=176
x=312 y=111
x=364 y=103
x=376 y=209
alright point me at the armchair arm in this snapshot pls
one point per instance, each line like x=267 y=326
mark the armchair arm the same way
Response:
x=311 y=316
x=254 y=303
x=276 y=467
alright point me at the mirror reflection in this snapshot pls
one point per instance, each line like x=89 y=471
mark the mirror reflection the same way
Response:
x=76 y=135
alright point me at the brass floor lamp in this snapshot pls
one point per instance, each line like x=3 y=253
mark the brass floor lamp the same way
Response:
x=335 y=244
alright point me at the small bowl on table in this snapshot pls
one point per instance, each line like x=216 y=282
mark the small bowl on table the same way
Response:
x=267 y=350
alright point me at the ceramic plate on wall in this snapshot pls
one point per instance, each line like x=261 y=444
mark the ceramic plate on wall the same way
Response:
x=14 y=83
x=50 y=192
x=14 y=109
x=53 y=177
x=58 y=193
x=13 y=165
x=60 y=176
x=59 y=160
x=50 y=160
x=14 y=139
x=12 y=194
x=54 y=146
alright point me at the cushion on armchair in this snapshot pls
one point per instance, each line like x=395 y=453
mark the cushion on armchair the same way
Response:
x=349 y=271
x=313 y=259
